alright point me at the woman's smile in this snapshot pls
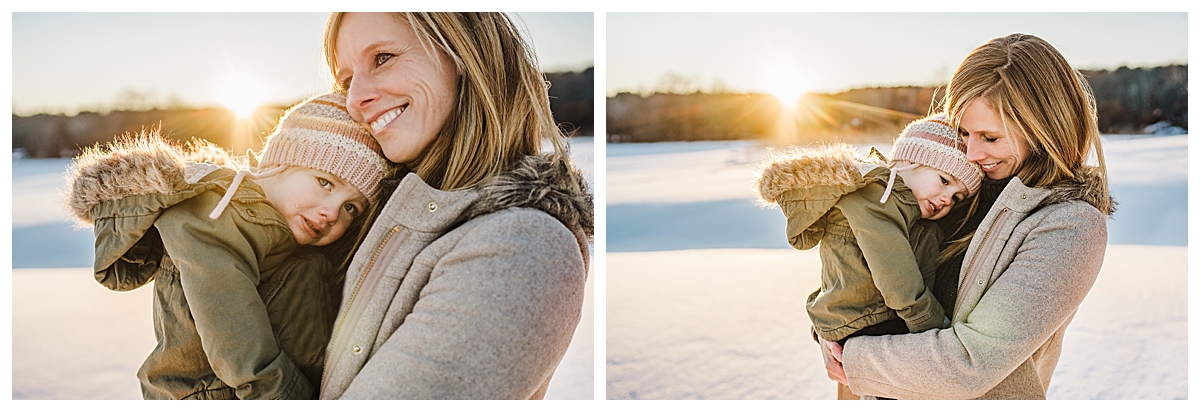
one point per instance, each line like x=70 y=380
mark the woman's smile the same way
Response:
x=399 y=88
x=386 y=119
x=996 y=147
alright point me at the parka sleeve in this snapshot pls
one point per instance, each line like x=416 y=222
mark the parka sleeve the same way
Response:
x=302 y=303
x=1039 y=291
x=494 y=320
x=219 y=264
x=882 y=235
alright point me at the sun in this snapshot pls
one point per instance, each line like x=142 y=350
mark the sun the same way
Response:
x=785 y=82
x=242 y=95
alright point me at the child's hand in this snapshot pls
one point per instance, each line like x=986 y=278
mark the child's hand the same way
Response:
x=831 y=352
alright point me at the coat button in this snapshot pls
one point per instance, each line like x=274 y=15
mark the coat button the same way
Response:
x=1022 y=196
x=981 y=282
x=432 y=206
x=356 y=349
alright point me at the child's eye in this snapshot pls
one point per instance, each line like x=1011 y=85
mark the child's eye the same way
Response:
x=351 y=209
x=345 y=83
x=381 y=58
x=944 y=181
x=324 y=183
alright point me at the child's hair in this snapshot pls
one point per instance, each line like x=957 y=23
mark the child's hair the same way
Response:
x=319 y=134
x=932 y=142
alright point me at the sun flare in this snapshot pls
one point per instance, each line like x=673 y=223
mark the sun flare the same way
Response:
x=785 y=82
x=242 y=95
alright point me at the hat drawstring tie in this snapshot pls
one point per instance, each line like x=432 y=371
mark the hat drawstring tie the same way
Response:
x=237 y=181
x=892 y=180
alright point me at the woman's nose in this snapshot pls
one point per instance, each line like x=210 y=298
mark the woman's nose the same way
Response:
x=360 y=95
x=974 y=152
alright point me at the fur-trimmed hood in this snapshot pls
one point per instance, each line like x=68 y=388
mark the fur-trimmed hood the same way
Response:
x=544 y=182
x=1087 y=185
x=807 y=183
x=135 y=165
x=827 y=165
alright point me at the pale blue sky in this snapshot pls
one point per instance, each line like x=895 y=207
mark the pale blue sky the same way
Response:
x=66 y=62
x=838 y=51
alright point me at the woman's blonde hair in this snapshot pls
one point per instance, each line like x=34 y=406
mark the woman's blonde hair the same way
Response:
x=1042 y=98
x=503 y=110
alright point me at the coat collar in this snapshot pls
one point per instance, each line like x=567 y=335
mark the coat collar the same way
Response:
x=543 y=182
x=1085 y=186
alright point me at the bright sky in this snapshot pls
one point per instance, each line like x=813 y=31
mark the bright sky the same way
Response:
x=830 y=52
x=66 y=62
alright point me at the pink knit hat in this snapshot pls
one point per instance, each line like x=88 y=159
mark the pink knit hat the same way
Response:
x=933 y=142
x=319 y=134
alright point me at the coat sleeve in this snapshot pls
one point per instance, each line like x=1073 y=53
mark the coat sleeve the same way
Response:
x=1038 y=293
x=302 y=302
x=882 y=235
x=494 y=320
x=218 y=262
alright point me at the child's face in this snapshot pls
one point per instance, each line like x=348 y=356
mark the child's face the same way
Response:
x=317 y=206
x=936 y=191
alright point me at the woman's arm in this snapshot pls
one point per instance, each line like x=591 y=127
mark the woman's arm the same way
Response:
x=218 y=262
x=494 y=320
x=1037 y=293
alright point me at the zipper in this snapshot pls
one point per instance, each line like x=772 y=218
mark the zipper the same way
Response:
x=349 y=303
x=973 y=271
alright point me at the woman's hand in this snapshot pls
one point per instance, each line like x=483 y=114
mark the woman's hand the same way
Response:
x=832 y=353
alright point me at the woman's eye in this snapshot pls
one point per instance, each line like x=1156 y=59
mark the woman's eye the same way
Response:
x=324 y=183
x=382 y=58
x=345 y=84
x=351 y=208
x=945 y=182
x=990 y=139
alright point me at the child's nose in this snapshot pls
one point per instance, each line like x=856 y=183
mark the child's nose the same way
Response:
x=329 y=211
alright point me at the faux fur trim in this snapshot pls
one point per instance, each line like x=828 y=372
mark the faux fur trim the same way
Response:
x=545 y=182
x=1087 y=186
x=825 y=165
x=132 y=165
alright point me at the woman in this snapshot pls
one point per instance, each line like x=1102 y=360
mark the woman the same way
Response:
x=1027 y=116
x=470 y=282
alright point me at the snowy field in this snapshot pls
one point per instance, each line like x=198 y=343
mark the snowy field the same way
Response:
x=705 y=297
x=74 y=339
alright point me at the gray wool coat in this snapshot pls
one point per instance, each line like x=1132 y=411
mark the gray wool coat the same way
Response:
x=1030 y=264
x=470 y=294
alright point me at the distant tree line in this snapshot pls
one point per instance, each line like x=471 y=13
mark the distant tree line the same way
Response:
x=1127 y=101
x=572 y=101
x=56 y=135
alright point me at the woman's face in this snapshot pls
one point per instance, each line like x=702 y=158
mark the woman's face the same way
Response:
x=997 y=151
x=402 y=93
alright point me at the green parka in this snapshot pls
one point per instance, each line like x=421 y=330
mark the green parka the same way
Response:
x=239 y=313
x=877 y=259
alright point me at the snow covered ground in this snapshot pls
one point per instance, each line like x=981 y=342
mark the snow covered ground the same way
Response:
x=704 y=295
x=74 y=339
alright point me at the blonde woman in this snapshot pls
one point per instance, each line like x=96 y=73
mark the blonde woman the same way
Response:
x=470 y=282
x=1027 y=116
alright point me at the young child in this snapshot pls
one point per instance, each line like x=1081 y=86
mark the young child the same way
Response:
x=877 y=256
x=241 y=309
